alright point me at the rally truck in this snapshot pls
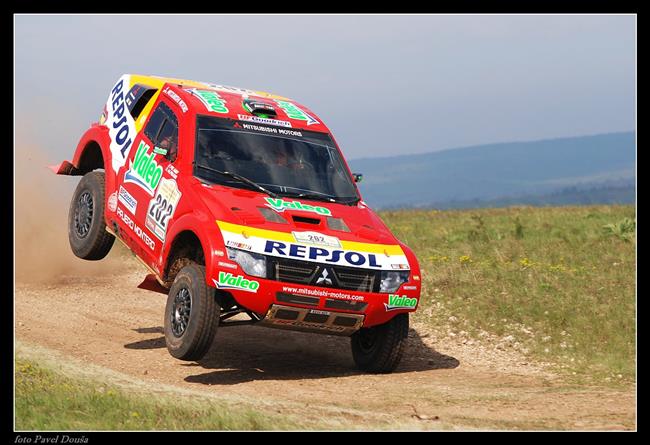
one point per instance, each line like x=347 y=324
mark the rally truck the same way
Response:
x=243 y=209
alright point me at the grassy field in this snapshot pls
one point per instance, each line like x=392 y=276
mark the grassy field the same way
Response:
x=49 y=400
x=557 y=283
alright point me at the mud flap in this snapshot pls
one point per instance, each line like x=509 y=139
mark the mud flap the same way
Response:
x=65 y=168
x=151 y=283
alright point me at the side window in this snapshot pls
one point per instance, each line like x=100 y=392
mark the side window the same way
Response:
x=153 y=126
x=162 y=130
x=168 y=139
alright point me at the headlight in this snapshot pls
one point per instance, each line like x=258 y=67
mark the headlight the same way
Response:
x=253 y=264
x=391 y=281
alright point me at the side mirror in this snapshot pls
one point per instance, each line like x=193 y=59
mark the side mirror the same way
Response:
x=358 y=177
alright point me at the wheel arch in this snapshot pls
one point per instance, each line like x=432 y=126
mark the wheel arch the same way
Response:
x=187 y=239
x=92 y=153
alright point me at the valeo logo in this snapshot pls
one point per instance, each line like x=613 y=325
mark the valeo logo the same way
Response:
x=144 y=171
x=230 y=281
x=397 y=302
x=296 y=113
x=211 y=100
x=280 y=205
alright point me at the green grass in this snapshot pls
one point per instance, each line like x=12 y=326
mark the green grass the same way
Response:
x=560 y=280
x=49 y=400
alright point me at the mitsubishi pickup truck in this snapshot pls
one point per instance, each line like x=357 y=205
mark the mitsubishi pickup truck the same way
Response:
x=244 y=211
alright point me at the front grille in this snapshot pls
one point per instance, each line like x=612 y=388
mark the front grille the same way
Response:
x=306 y=272
x=356 y=279
x=295 y=271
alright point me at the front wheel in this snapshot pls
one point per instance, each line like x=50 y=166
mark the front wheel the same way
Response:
x=191 y=314
x=379 y=349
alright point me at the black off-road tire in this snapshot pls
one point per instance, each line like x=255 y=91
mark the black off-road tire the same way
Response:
x=379 y=349
x=189 y=332
x=87 y=233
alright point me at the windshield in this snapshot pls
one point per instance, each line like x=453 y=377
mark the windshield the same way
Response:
x=285 y=161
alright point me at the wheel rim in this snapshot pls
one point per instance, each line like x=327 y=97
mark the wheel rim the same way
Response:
x=367 y=339
x=180 y=316
x=83 y=214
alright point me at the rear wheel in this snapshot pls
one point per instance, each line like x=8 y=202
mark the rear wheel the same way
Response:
x=191 y=314
x=87 y=233
x=379 y=349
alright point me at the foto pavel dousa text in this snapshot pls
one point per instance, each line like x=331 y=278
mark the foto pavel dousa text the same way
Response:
x=51 y=438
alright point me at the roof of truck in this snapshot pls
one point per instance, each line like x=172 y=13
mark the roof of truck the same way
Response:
x=230 y=102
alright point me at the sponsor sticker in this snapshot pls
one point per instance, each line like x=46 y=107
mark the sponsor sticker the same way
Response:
x=211 y=100
x=409 y=287
x=127 y=200
x=294 y=112
x=280 y=205
x=144 y=171
x=136 y=229
x=238 y=245
x=263 y=120
x=282 y=131
x=172 y=171
x=316 y=238
x=162 y=207
x=397 y=302
x=227 y=265
x=400 y=266
x=121 y=127
x=229 y=281
x=321 y=254
x=112 y=202
x=322 y=293
x=176 y=98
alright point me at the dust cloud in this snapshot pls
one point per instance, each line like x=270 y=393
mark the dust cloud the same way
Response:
x=42 y=200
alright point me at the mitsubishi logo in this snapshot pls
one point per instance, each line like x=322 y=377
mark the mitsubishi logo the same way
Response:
x=323 y=279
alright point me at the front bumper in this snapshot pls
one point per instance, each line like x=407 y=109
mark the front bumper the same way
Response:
x=372 y=308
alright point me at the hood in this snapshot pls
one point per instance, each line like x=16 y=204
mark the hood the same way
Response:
x=242 y=207
x=249 y=219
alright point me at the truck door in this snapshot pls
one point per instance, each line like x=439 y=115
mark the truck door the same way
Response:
x=147 y=196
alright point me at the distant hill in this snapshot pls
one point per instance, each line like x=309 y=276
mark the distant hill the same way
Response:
x=576 y=170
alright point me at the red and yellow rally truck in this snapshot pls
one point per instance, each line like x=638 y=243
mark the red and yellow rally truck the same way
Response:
x=239 y=202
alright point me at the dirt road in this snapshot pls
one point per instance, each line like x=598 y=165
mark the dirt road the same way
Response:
x=108 y=322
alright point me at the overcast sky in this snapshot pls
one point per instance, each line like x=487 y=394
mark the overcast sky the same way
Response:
x=383 y=84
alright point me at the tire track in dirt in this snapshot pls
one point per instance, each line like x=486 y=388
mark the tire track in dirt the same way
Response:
x=106 y=322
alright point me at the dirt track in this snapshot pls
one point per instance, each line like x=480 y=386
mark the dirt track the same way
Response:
x=107 y=321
